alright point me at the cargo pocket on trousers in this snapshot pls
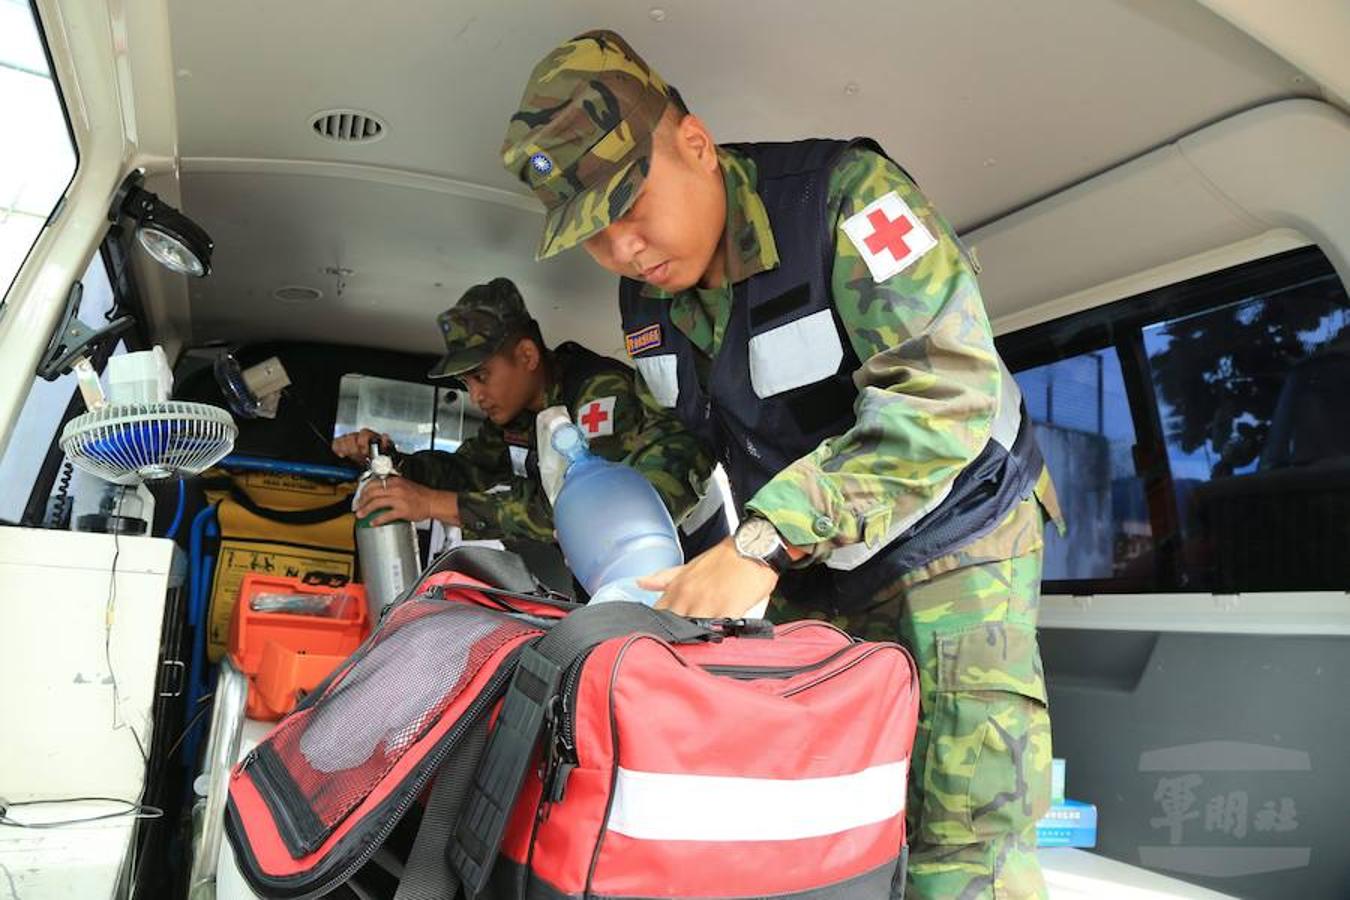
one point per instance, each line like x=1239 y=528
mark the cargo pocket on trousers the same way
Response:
x=987 y=767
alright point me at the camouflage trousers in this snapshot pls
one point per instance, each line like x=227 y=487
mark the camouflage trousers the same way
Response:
x=980 y=773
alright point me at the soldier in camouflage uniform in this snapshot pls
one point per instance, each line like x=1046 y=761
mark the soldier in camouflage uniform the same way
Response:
x=901 y=489
x=494 y=347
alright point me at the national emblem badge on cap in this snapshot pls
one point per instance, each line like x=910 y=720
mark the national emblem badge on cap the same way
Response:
x=541 y=163
x=581 y=139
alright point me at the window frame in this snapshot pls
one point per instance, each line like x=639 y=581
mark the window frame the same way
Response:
x=1119 y=325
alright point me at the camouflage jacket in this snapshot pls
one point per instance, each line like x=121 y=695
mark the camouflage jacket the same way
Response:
x=930 y=376
x=498 y=499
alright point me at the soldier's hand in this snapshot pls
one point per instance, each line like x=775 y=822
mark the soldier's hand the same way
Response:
x=399 y=498
x=356 y=445
x=719 y=583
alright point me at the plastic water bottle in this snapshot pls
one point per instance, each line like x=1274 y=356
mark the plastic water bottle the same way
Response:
x=611 y=523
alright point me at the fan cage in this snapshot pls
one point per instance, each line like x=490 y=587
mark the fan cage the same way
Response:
x=134 y=442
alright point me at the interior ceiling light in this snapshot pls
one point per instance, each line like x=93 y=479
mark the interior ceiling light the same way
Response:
x=296 y=293
x=171 y=238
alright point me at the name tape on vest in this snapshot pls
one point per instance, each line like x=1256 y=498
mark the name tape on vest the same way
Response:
x=889 y=236
x=643 y=339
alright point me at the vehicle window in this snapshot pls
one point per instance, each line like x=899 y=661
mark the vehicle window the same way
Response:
x=417 y=416
x=46 y=406
x=37 y=154
x=1087 y=437
x=1254 y=403
x=1197 y=435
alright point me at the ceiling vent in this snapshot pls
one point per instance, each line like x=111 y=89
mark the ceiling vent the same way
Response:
x=347 y=126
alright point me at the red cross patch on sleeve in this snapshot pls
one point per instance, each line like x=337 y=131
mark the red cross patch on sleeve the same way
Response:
x=889 y=236
x=596 y=418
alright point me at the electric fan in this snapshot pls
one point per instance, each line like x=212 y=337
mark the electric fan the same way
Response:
x=136 y=433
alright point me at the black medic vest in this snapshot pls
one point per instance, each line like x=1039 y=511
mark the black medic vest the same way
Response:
x=781 y=383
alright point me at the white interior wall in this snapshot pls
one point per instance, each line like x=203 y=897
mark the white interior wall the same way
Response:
x=1257 y=183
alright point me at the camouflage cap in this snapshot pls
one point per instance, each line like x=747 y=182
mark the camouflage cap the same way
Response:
x=475 y=327
x=582 y=137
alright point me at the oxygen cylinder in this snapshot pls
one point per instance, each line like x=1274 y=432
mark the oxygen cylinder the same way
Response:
x=390 y=559
x=611 y=523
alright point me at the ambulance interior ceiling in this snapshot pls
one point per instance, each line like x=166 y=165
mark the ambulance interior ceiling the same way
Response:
x=1045 y=132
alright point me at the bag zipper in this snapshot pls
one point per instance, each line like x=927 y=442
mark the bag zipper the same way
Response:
x=492 y=692
x=751 y=673
x=565 y=729
x=280 y=787
x=868 y=653
x=798 y=625
x=560 y=743
x=561 y=752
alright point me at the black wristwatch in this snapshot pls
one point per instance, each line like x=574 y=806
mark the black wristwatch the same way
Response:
x=757 y=539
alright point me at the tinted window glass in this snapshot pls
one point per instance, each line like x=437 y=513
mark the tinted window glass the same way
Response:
x=1086 y=434
x=1254 y=398
x=1198 y=435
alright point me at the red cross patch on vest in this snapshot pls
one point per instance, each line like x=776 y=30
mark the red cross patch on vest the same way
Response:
x=889 y=236
x=596 y=418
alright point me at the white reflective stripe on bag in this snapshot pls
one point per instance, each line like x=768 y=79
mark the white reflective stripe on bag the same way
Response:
x=658 y=806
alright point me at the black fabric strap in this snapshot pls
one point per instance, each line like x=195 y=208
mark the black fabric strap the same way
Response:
x=575 y=635
x=291 y=516
x=499 y=568
x=528 y=705
x=427 y=875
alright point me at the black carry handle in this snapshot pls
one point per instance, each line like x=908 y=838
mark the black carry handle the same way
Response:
x=536 y=683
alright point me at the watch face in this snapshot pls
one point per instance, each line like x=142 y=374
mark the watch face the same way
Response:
x=757 y=537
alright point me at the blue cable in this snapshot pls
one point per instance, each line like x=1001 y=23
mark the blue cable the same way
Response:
x=195 y=536
x=178 y=514
x=242 y=463
x=199 y=574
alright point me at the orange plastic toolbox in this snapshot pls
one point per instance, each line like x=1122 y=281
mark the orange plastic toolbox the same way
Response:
x=286 y=654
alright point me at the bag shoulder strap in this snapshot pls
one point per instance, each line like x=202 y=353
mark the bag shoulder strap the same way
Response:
x=428 y=875
x=291 y=516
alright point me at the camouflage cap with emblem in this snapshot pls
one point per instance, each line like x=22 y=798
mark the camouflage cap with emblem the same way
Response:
x=475 y=327
x=582 y=137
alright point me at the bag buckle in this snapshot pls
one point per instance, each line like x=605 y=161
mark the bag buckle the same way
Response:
x=740 y=627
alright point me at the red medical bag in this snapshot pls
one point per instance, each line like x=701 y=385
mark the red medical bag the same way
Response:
x=631 y=753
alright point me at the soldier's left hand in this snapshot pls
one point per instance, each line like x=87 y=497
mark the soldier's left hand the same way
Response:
x=719 y=583
x=399 y=498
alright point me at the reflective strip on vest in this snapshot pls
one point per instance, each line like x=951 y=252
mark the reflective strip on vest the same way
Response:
x=799 y=353
x=656 y=806
x=1004 y=430
x=661 y=373
x=709 y=505
x=1008 y=419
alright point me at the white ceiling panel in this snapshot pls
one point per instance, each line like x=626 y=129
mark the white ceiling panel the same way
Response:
x=990 y=105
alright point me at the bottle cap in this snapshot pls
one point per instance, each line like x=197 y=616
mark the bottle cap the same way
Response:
x=568 y=440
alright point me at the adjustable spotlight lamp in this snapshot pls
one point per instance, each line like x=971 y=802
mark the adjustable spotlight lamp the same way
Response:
x=171 y=238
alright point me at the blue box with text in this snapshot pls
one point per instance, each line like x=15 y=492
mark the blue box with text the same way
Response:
x=1070 y=823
